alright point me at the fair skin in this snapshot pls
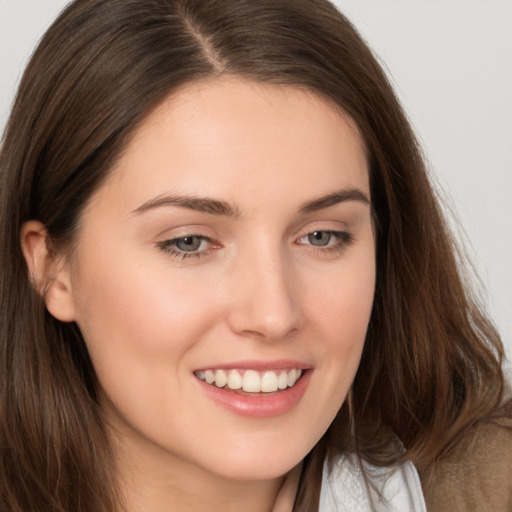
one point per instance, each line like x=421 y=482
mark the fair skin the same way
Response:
x=276 y=275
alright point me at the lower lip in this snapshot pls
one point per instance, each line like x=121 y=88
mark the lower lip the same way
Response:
x=261 y=405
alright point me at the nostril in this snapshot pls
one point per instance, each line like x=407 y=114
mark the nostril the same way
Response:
x=264 y=304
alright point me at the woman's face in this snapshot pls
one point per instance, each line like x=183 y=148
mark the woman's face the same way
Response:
x=233 y=241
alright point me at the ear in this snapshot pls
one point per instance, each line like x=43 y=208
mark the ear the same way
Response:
x=49 y=272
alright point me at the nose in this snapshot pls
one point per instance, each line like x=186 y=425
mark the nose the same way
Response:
x=264 y=298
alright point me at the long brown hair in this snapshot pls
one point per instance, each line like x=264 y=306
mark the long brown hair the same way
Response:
x=431 y=365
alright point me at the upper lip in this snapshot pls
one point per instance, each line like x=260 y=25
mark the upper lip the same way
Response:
x=280 y=364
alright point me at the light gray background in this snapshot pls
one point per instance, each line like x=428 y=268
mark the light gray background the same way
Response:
x=451 y=63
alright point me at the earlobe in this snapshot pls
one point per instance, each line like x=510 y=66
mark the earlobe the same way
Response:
x=49 y=272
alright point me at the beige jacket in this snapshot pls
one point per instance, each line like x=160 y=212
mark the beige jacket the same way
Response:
x=477 y=475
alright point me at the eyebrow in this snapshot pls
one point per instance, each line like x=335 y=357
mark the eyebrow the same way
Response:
x=200 y=204
x=340 y=196
x=216 y=207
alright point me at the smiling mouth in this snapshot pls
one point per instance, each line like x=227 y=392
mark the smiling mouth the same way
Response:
x=251 y=381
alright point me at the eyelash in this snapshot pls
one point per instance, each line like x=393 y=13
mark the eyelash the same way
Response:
x=168 y=246
x=343 y=239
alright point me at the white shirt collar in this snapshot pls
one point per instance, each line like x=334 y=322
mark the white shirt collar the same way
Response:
x=344 y=489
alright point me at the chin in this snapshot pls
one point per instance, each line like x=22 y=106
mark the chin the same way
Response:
x=266 y=465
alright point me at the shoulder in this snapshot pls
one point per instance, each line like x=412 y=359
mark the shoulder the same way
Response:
x=477 y=474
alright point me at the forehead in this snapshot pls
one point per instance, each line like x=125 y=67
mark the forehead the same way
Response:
x=239 y=139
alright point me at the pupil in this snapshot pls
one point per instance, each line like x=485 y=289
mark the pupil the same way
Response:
x=189 y=243
x=319 y=238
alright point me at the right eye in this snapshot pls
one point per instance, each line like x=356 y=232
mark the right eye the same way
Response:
x=186 y=246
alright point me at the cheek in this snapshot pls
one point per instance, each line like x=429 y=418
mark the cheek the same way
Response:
x=343 y=299
x=137 y=314
x=340 y=314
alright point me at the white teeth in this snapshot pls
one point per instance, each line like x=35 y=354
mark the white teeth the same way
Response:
x=282 y=380
x=221 y=379
x=234 y=380
x=292 y=377
x=269 y=382
x=251 y=381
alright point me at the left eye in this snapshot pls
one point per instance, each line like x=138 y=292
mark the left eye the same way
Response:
x=322 y=238
x=319 y=238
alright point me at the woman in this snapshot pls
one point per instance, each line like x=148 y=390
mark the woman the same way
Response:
x=234 y=286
